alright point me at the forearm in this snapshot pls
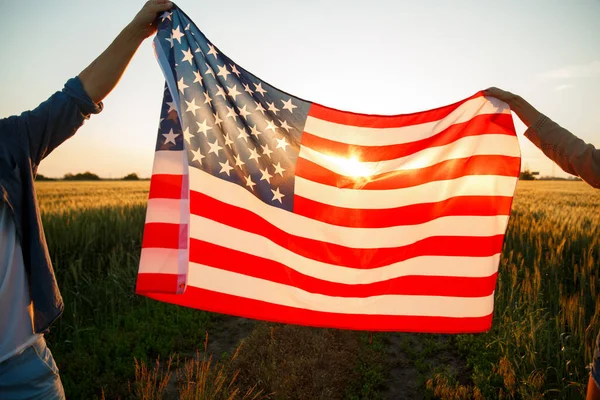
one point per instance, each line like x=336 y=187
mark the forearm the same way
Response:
x=103 y=74
x=525 y=111
x=572 y=154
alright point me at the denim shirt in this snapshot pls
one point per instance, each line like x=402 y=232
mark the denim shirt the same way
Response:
x=25 y=140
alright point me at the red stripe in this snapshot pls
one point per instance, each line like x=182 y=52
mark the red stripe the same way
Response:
x=383 y=121
x=239 y=218
x=499 y=124
x=445 y=170
x=163 y=235
x=166 y=187
x=407 y=215
x=234 y=305
x=235 y=261
x=158 y=283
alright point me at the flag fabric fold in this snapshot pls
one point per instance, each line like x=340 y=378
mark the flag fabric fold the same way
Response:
x=268 y=206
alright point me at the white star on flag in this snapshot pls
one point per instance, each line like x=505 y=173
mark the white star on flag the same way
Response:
x=218 y=120
x=259 y=107
x=181 y=85
x=266 y=176
x=214 y=147
x=210 y=71
x=170 y=137
x=243 y=112
x=177 y=34
x=192 y=107
x=259 y=89
x=243 y=134
x=266 y=151
x=187 y=135
x=285 y=125
x=232 y=91
x=281 y=143
x=272 y=108
x=228 y=141
x=213 y=50
x=203 y=127
x=225 y=167
x=278 y=169
x=221 y=92
x=253 y=155
x=271 y=125
x=254 y=131
x=238 y=160
x=198 y=77
x=234 y=70
x=288 y=105
x=188 y=56
x=231 y=113
x=198 y=156
x=277 y=195
x=223 y=71
x=207 y=99
x=249 y=182
x=166 y=15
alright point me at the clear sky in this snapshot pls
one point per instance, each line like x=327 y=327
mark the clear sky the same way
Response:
x=383 y=57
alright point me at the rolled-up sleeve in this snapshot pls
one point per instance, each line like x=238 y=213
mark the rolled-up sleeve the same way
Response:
x=44 y=128
x=572 y=154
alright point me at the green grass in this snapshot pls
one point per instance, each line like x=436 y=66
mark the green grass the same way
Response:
x=94 y=233
x=546 y=311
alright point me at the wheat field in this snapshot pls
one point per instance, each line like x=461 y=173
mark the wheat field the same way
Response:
x=546 y=310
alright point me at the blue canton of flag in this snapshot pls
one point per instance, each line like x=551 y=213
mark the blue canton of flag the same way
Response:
x=235 y=126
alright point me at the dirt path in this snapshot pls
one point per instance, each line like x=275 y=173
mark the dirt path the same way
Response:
x=412 y=359
x=227 y=334
x=223 y=339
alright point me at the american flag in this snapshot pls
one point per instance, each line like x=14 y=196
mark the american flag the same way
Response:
x=267 y=206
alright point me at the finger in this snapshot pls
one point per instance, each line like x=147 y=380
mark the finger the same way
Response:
x=162 y=6
x=491 y=91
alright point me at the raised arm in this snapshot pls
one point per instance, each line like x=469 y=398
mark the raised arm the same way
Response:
x=103 y=74
x=572 y=154
x=35 y=134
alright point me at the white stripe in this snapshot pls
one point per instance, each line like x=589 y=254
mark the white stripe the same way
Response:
x=171 y=211
x=170 y=162
x=373 y=238
x=256 y=245
x=502 y=145
x=235 y=284
x=159 y=260
x=388 y=136
x=431 y=192
x=363 y=238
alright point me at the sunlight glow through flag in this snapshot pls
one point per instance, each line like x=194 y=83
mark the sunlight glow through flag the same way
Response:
x=267 y=206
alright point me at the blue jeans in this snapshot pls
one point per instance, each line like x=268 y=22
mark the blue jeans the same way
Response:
x=596 y=362
x=31 y=375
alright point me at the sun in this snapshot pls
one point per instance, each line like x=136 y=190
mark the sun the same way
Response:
x=351 y=166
